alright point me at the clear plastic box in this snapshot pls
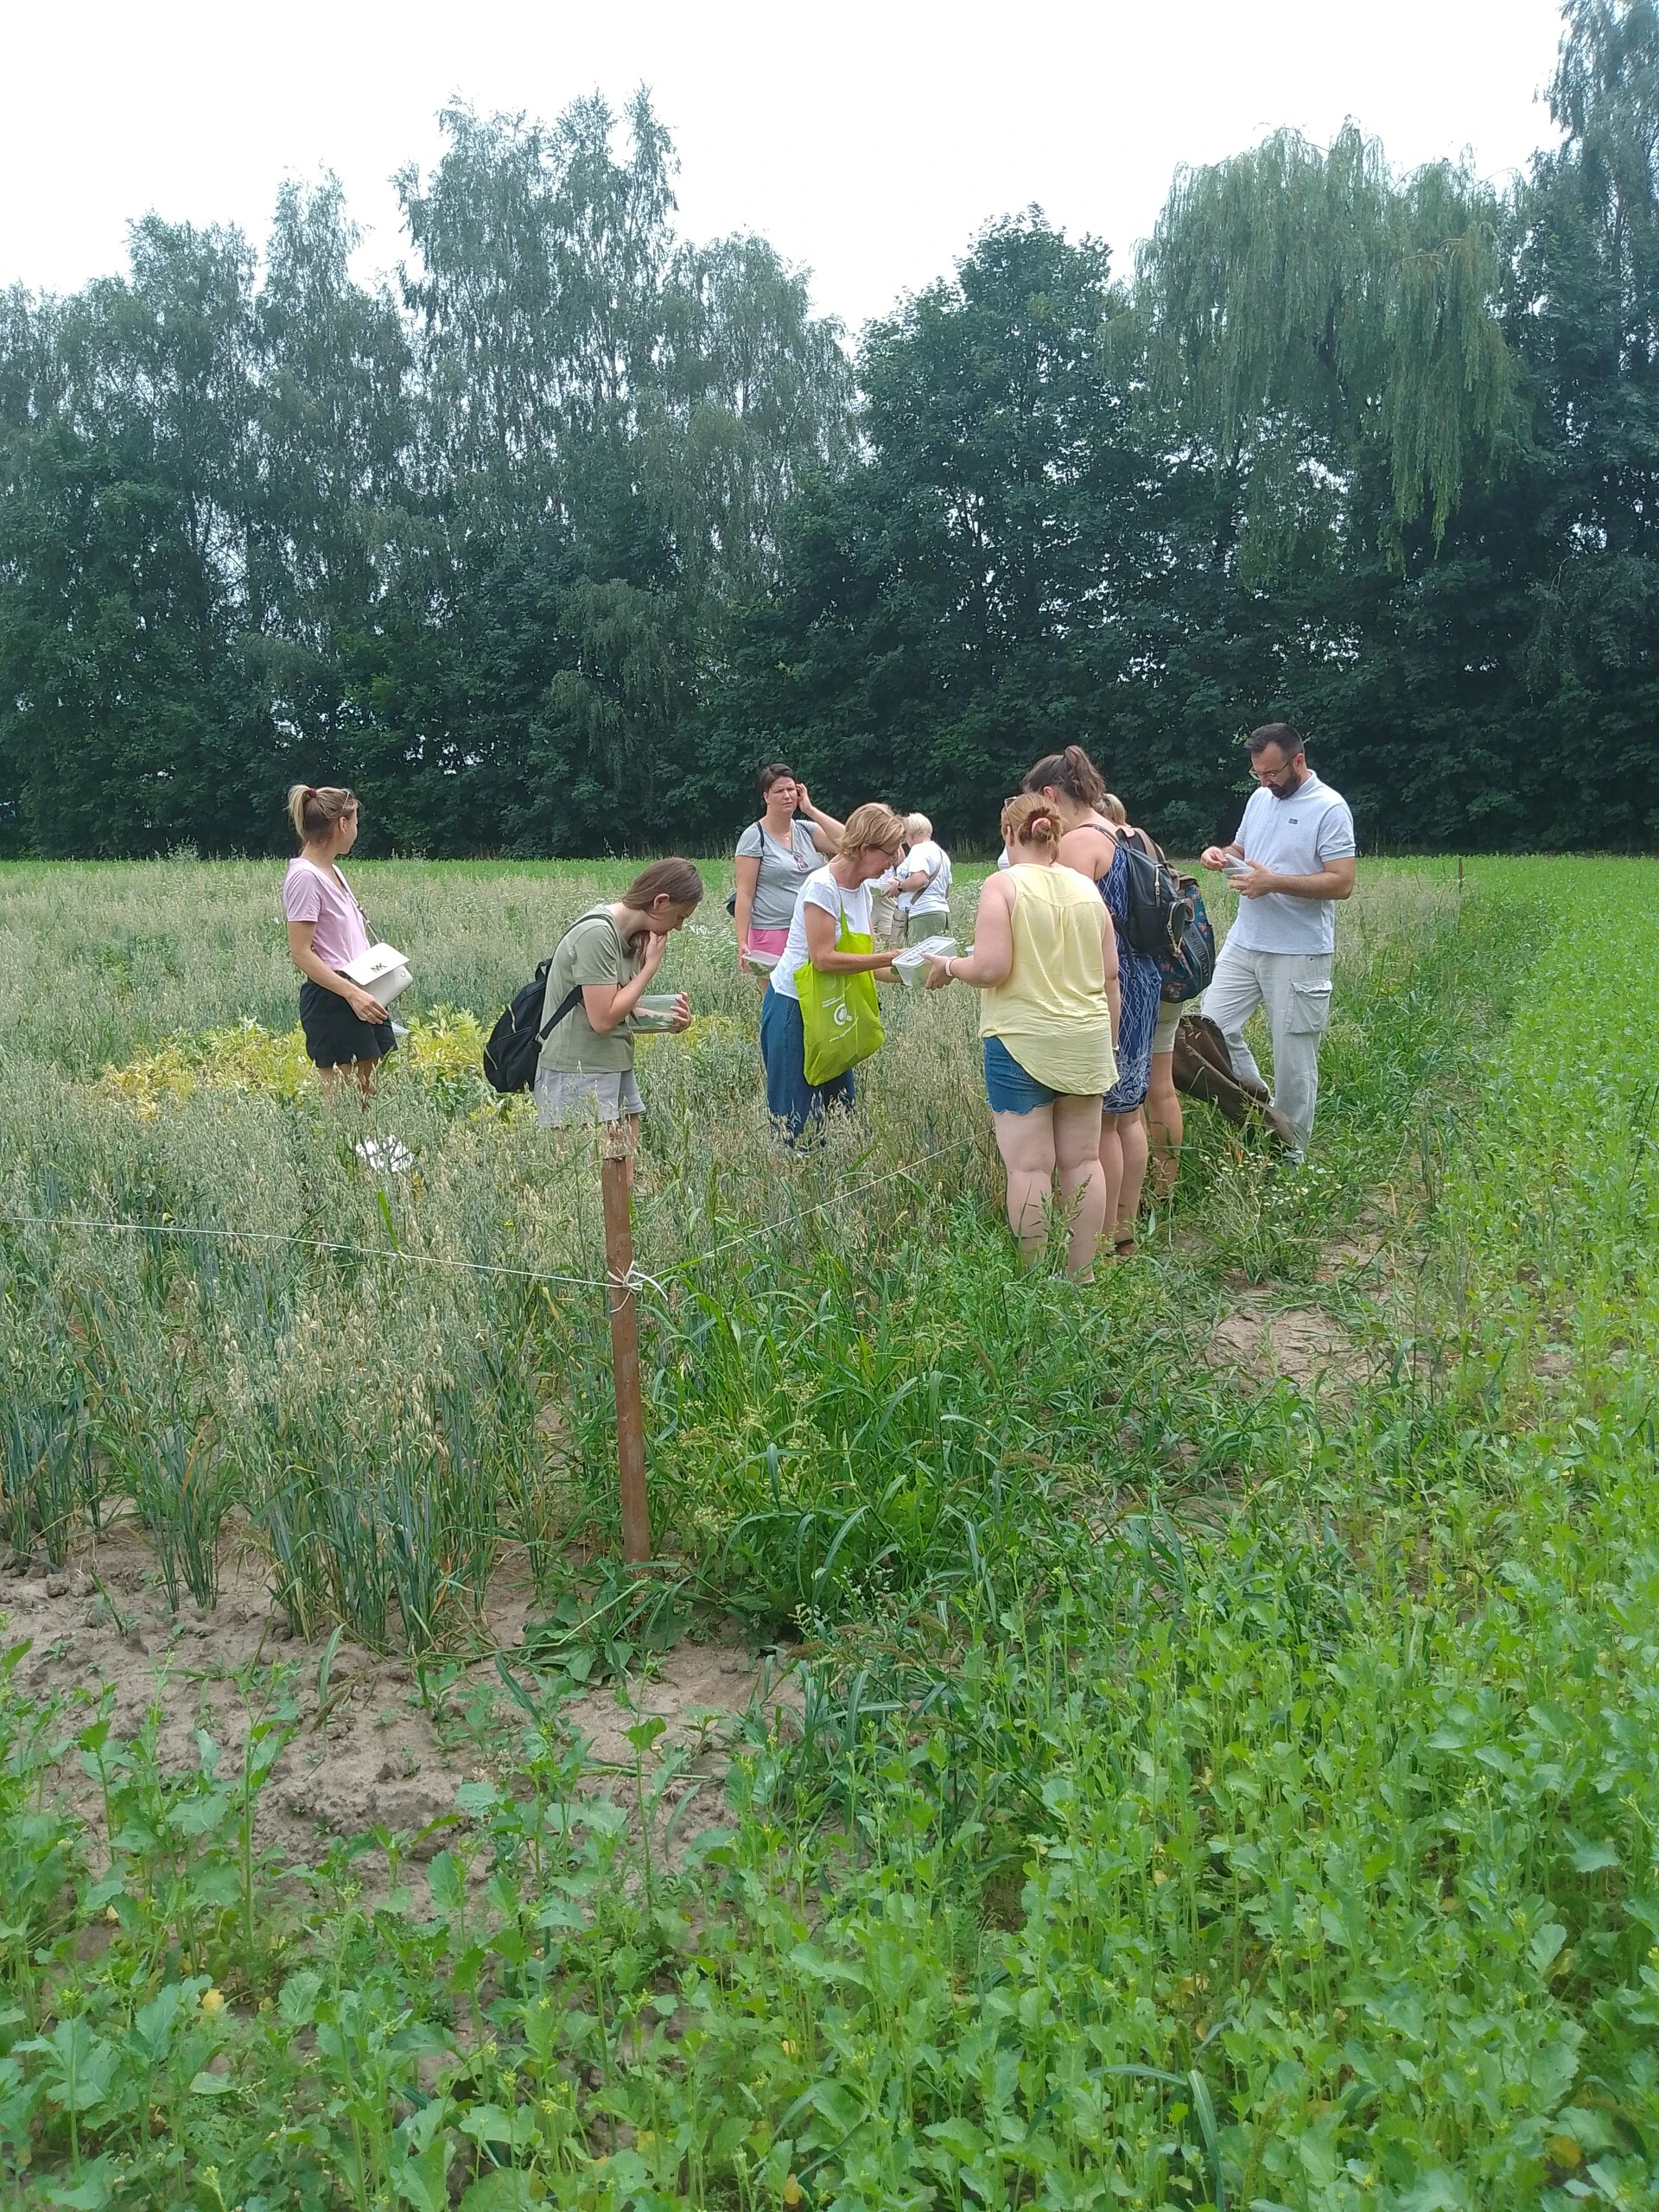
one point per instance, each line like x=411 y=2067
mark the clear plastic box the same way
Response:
x=911 y=965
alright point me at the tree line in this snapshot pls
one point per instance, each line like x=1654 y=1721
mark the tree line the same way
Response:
x=546 y=546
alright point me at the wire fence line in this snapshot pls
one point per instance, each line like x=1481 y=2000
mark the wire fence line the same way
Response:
x=857 y=1190
x=301 y=1244
x=635 y=1280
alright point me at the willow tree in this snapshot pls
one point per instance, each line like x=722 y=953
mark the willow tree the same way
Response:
x=1587 y=321
x=1307 y=313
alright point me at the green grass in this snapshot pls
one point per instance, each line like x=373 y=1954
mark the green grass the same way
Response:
x=215 y=1380
x=1204 y=1794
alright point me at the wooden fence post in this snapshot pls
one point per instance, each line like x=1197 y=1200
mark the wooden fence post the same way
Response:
x=625 y=1346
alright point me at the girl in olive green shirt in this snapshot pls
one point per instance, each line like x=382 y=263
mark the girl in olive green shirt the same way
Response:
x=609 y=957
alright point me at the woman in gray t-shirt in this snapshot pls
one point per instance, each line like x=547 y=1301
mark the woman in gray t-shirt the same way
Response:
x=775 y=855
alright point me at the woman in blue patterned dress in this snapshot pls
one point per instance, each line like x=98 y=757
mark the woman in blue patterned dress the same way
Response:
x=1073 y=785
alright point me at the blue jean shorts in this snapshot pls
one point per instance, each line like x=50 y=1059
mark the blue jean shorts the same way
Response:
x=1007 y=1086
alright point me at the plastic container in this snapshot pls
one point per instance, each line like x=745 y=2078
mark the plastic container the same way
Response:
x=764 y=962
x=655 y=1011
x=911 y=965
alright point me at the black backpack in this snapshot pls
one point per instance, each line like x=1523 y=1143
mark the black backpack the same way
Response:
x=516 y=1041
x=1158 y=908
x=1167 y=920
x=731 y=896
x=1187 y=970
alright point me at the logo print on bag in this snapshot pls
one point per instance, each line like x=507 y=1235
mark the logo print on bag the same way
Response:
x=843 y=1016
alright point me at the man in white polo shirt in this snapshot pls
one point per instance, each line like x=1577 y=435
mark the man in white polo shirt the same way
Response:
x=1292 y=860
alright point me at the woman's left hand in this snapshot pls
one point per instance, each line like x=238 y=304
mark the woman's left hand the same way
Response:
x=938 y=973
x=682 y=1015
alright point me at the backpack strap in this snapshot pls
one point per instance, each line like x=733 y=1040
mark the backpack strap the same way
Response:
x=760 y=826
x=568 y=1001
x=554 y=1019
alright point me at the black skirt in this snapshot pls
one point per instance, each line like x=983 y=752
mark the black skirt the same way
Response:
x=333 y=1035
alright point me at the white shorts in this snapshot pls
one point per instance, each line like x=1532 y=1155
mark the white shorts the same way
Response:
x=568 y=1095
x=1169 y=1014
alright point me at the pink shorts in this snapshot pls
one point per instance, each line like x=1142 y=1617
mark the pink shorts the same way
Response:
x=767 y=940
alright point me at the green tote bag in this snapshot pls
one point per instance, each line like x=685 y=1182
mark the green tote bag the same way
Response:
x=840 y=1016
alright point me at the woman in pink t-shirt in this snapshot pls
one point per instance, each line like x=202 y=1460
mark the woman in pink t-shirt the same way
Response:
x=344 y=1025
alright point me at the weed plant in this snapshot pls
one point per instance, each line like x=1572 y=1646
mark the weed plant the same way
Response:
x=1202 y=1794
x=302 y=1353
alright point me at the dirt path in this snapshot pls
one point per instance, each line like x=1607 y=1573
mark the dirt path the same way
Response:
x=1260 y=1337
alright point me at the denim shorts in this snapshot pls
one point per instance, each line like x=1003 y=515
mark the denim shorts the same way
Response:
x=1007 y=1086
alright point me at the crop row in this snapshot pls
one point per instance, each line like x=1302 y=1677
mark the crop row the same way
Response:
x=1201 y=1795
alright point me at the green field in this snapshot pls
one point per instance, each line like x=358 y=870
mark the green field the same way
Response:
x=1207 y=1786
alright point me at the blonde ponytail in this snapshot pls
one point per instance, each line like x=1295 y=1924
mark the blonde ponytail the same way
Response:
x=313 y=809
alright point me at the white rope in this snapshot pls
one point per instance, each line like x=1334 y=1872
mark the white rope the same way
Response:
x=302 y=1244
x=635 y=1280
x=777 y=1228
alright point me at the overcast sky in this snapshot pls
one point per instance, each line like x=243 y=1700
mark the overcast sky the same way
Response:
x=868 y=139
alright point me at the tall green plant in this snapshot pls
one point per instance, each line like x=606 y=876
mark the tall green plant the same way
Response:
x=1308 y=306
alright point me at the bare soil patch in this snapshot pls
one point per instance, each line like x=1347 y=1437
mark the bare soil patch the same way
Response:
x=1348 y=1257
x=1301 y=1343
x=1304 y=1344
x=371 y=1751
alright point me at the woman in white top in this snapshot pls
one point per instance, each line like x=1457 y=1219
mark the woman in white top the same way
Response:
x=775 y=855
x=840 y=892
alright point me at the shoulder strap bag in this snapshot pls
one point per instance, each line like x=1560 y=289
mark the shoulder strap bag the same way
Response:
x=841 y=1015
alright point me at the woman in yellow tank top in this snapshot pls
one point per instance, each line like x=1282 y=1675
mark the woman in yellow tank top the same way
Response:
x=1046 y=958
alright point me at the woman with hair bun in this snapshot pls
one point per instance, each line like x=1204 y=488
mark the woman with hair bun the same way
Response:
x=345 y=1025
x=1045 y=957
x=605 y=964
x=1094 y=844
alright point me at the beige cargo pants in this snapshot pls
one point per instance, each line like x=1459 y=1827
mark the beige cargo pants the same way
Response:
x=1294 y=989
